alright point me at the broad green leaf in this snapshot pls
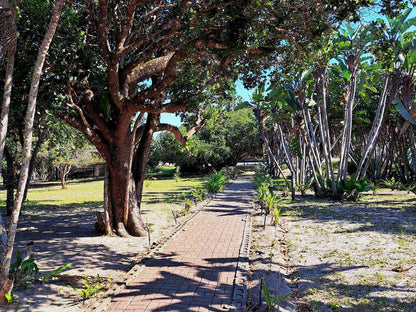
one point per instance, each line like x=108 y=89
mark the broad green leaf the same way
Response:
x=403 y=111
x=346 y=74
x=411 y=159
x=370 y=88
x=9 y=298
x=412 y=57
x=54 y=272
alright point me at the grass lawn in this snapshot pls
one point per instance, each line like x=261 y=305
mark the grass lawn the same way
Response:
x=89 y=193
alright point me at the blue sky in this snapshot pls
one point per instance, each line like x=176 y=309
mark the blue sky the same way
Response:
x=176 y=121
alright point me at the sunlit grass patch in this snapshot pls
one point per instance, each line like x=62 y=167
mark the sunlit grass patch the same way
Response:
x=89 y=194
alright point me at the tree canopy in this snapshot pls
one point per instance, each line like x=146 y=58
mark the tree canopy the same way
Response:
x=115 y=66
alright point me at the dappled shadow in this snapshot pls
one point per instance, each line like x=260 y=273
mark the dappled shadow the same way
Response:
x=67 y=234
x=39 y=206
x=199 y=270
x=42 y=184
x=61 y=236
x=176 y=285
x=64 y=236
x=373 y=286
x=361 y=296
x=156 y=197
x=386 y=216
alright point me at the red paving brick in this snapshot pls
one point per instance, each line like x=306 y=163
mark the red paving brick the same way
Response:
x=195 y=271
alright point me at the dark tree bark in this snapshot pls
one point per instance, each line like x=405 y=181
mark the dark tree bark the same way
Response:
x=10 y=178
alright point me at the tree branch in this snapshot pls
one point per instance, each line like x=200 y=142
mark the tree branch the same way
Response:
x=145 y=71
x=103 y=30
x=174 y=130
x=71 y=104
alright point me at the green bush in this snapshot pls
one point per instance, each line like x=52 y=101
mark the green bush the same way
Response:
x=216 y=182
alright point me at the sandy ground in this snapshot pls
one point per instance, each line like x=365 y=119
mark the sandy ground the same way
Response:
x=62 y=237
x=338 y=256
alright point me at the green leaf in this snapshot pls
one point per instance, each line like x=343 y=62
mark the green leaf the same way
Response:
x=411 y=159
x=8 y=297
x=18 y=261
x=370 y=88
x=403 y=111
x=412 y=57
x=346 y=74
x=284 y=296
x=54 y=272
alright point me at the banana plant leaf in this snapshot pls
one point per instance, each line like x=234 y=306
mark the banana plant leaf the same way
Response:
x=411 y=159
x=403 y=111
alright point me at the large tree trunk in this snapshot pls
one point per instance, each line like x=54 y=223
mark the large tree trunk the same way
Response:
x=5 y=285
x=120 y=183
x=141 y=155
x=126 y=174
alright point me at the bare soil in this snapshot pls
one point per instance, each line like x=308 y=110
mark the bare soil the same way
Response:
x=69 y=236
x=338 y=256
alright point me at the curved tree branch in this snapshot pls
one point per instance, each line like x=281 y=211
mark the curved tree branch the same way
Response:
x=178 y=135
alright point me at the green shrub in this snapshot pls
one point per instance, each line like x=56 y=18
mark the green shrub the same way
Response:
x=216 y=182
x=93 y=286
x=392 y=184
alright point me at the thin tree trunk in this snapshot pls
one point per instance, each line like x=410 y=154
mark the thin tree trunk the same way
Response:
x=10 y=180
x=259 y=119
x=27 y=146
x=7 y=94
x=352 y=61
x=35 y=152
x=324 y=129
x=8 y=81
x=64 y=172
x=275 y=161
x=288 y=159
x=373 y=135
x=311 y=143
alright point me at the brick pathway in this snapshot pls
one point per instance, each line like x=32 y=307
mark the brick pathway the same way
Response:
x=196 y=269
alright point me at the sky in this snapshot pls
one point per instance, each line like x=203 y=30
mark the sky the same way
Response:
x=176 y=120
